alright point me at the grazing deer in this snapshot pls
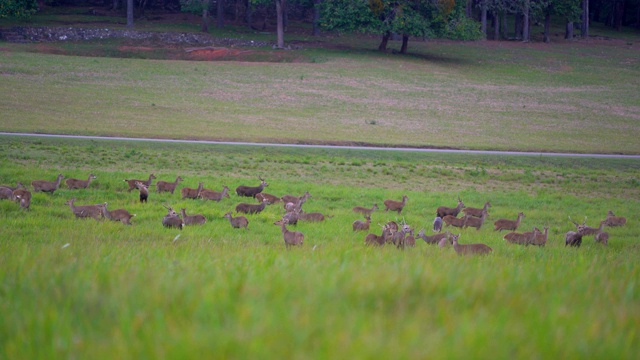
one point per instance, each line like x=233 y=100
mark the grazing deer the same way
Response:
x=395 y=205
x=451 y=220
x=385 y=237
x=132 y=182
x=433 y=239
x=85 y=211
x=121 y=215
x=197 y=219
x=144 y=191
x=364 y=210
x=251 y=208
x=271 y=198
x=360 y=225
x=79 y=184
x=23 y=196
x=525 y=238
x=505 y=224
x=294 y=199
x=291 y=217
x=602 y=236
x=166 y=186
x=237 y=222
x=472 y=221
x=475 y=212
x=189 y=193
x=291 y=238
x=469 y=249
x=541 y=238
x=249 y=191
x=47 y=186
x=443 y=211
x=214 y=195
x=172 y=219
x=613 y=220
x=437 y=224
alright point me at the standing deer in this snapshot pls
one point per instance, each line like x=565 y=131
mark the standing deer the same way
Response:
x=249 y=191
x=541 y=238
x=472 y=221
x=237 y=222
x=144 y=191
x=166 y=186
x=23 y=196
x=364 y=210
x=505 y=224
x=291 y=238
x=79 y=184
x=172 y=219
x=613 y=220
x=360 y=225
x=121 y=215
x=189 y=193
x=47 y=186
x=251 y=208
x=574 y=238
x=602 y=236
x=433 y=239
x=385 y=237
x=6 y=193
x=470 y=249
x=132 y=182
x=291 y=217
x=475 y=211
x=85 y=211
x=437 y=224
x=451 y=220
x=395 y=205
x=214 y=195
x=197 y=219
x=294 y=199
x=443 y=211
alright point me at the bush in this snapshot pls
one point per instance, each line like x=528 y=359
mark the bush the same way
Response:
x=464 y=28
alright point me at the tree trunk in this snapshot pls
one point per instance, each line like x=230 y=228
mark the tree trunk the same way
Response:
x=483 y=19
x=316 y=17
x=585 y=19
x=496 y=26
x=568 y=34
x=285 y=16
x=280 y=25
x=220 y=14
x=525 y=22
x=618 y=15
x=205 y=17
x=385 y=40
x=129 y=14
x=469 y=9
x=249 y=14
x=518 y=26
x=505 y=25
x=116 y=5
x=405 y=44
x=547 y=25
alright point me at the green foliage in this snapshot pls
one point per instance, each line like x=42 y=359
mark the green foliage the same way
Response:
x=463 y=28
x=194 y=6
x=17 y=8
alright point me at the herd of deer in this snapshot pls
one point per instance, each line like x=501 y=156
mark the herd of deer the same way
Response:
x=400 y=236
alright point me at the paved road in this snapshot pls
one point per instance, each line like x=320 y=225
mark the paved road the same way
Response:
x=449 y=151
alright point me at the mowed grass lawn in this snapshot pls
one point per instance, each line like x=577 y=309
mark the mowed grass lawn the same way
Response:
x=74 y=288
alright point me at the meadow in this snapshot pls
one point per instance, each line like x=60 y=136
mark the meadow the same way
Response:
x=85 y=288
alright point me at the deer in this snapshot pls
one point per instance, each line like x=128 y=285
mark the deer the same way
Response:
x=251 y=208
x=602 y=237
x=23 y=196
x=19 y=185
x=381 y=240
x=85 y=211
x=294 y=199
x=79 y=184
x=395 y=205
x=472 y=221
x=47 y=186
x=6 y=193
x=364 y=210
x=587 y=230
x=272 y=198
x=399 y=238
x=443 y=211
x=506 y=224
x=166 y=186
x=312 y=217
x=132 y=182
x=144 y=191
x=451 y=220
x=525 y=238
x=410 y=239
x=541 y=238
x=476 y=212
x=249 y=191
x=433 y=239
x=612 y=220
x=291 y=238
x=121 y=215
x=469 y=249
x=574 y=238
x=360 y=225
x=172 y=220
x=237 y=222
x=189 y=193
x=437 y=224
x=197 y=219
x=207 y=194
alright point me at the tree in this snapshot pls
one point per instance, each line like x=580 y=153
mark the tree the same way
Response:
x=130 y=14
x=17 y=8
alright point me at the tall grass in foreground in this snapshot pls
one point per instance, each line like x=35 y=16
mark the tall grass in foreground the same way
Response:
x=73 y=288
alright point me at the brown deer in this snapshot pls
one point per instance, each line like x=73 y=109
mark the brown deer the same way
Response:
x=410 y=239
x=294 y=199
x=291 y=238
x=251 y=208
x=291 y=217
x=472 y=221
x=475 y=211
x=312 y=217
x=399 y=238
x=47 y=186
x=395 y=205
x=121 y=215
x=207 y=194
x=172 y=219
x=525 y=238
x=132 y=182
x=250 y=191
x=85 y=211
x=586 y=230
x=381 y=240
x=443 y=211
x=451 y=220
x=360 y=225
x=189 y=193
x=433 y=239
x=166 y=186
x=237 y=222
x=271 y=198
x=469 y=249
x=574 y=238
x=541 y=238
x=602 y=236
x=79 y=184
x=6 y=193
x=506 y=224
x=613 y=220
x=23 y=196
x=144 y=191
x=12 y=188
x=197 y=219
x=437 y=224
x=364 y=210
